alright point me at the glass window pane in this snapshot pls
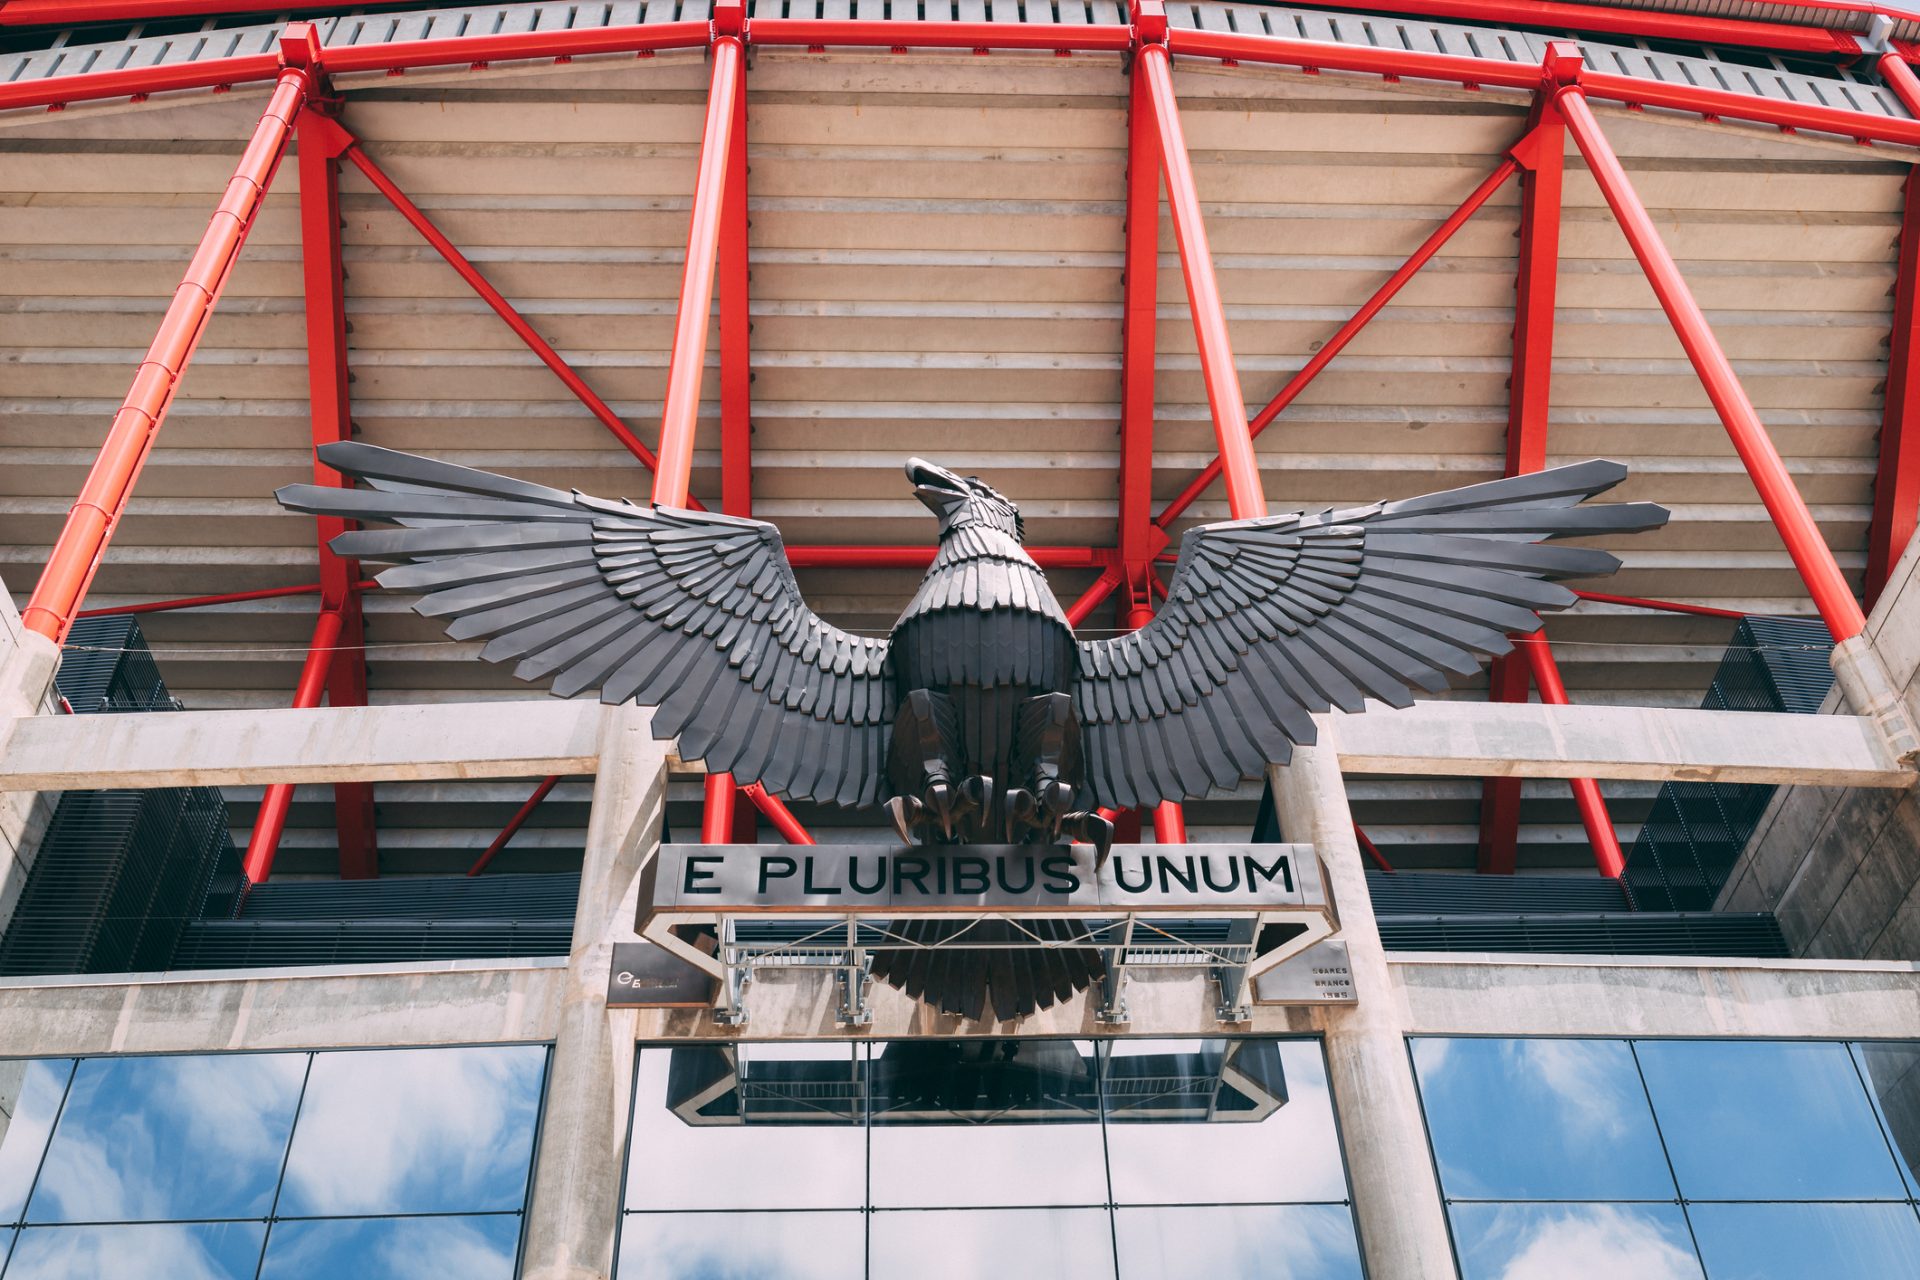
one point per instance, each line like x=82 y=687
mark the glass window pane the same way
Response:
x=1797 y=1241
x=30 y=1093
x=415 y=1131
x=1573 y=1242
x=748 y=1127
x=967 y=1244
x=1539 y=1120
x=1251 y=1242
x=742 y=1246
x=143 y=1139
x=1893 y=1074
x=157 y=1251
x=986 y=1122
x=1220 y=1121
x=472 y=1248
x=1746 y=1120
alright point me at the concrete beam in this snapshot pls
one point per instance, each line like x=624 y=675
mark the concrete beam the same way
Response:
x=323 y=744
x=1530 y=740
x=1458 y=994
x=546 y=736
x=452 y=1002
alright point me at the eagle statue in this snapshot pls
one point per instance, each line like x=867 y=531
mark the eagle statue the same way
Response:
x=980 y=718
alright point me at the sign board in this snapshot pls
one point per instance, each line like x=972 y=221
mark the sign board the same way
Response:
x=645 y=976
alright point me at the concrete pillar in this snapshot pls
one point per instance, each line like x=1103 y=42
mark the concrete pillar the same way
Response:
x=576 y=1184
x=1396 y=1196
x=27 y=662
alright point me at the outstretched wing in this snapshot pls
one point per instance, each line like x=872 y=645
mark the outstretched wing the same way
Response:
x=1269 y=620
x=695 y=614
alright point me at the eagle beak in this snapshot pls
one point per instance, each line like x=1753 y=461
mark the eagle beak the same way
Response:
x=925 y=475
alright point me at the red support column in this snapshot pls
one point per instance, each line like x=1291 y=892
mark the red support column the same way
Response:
x=680 y=416
x=736 y=375
x=264 y=841
x=1896 y=487
x=1140 y=539
x=1804 y=542
x=109 y=486
x=1244 y=495
x=1542 y=154
x=1586 y=792
x=322 y=142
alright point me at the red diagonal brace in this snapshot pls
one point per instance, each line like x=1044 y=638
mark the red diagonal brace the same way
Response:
x=322 y=142
x=1586 y=792
x=103 y=498
x=1346 y=333
x=502 y=308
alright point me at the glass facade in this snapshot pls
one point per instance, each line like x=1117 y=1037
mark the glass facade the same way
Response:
x=1071 y=1159
x=1675 y=1159
x=386 y=1164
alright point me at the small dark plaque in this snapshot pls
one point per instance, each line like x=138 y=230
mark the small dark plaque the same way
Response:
x=645 y=977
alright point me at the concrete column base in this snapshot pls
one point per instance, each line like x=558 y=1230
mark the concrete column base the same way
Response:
x=576 y=1184
x=27 y=663
x=1396 y=1196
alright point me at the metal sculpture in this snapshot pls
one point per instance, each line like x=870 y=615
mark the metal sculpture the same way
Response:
x=980 y=718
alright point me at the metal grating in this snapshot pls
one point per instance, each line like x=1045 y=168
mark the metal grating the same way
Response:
x=1416 y=893
x=255 y=944
x=119 y=874
x=1839 y=87
x=1754 y=934
x=1697 y=830
x=419 y=898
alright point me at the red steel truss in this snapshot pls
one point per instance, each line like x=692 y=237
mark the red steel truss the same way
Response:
x=718 y=251
x=1896 y=489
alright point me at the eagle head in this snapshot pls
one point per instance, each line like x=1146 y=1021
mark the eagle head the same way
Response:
x=963 y=501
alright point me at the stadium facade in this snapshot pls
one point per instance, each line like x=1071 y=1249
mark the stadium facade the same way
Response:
x=329 y=950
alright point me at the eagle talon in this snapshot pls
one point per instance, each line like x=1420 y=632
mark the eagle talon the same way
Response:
x=1091 y=828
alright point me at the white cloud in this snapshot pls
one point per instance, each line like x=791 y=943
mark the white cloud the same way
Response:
x=1587 y=1242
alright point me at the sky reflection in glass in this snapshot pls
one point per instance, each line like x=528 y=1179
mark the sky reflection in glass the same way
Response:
x=1540 y=1119
x=1749 y=1120
x=1892 y=1073
x=1798 y=1241
x=720 y=1161
x=1246 y=1242
x=470 y=1248
x=415 y=1131
x=968 y=1244
x=145 y=1251
x=1573 y=1242
x=953 y=1126
x=145 y=1139
x=30 y=1093
x=742 y=1246
x=1272 y=1136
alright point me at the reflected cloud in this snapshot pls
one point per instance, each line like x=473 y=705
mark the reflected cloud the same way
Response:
x=30 y=1092
x=415 y=1131
x=218 y=1251
x=471 y=1248
x=742 y=1246
x=169 y=1137
x=967 y=1244
x=1573 y=1242
x=1290 y=1242
x=1584 y=1076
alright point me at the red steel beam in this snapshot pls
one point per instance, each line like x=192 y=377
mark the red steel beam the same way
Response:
x=1896 y=486
x=777 y=813
x=736 y=375
x=1899 y=77
x=1586 y=792
x=103 y=499
x=231 y=597
x=1358 y=321
x=1804 y=542
x=321 y=143
x=501 y=307
x=1542 y=154
x=1094 y=596
x=919 y=557
x=1372 y=850
x=518 y=820
x=1244 y=495
x=680 y=417
x=1662 y=606
x=1139 y=539
x=815 y=33
x=264 y=841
